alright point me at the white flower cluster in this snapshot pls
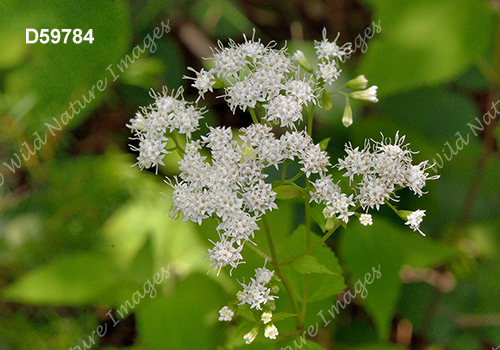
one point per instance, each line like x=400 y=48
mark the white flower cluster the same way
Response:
x=253 y=73
x=257 y=291
x=329 y=53
x=222 y=175
x=231 y=186
x=379 y=171
x=166 y=115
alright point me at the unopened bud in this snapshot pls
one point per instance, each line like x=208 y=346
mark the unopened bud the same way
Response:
x=347 y=117
x=369 y=95
x=360 y=82
x=302 y=60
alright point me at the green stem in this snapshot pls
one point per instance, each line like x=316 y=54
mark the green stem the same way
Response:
x=276 y=263
x=258 y=251
x=307 y=278
x=310 y=118
x=178 y=147
x=254 y=116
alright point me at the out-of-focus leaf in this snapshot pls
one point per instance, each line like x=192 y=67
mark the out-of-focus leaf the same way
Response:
x=173 y=242
x=378 y=347
x=76 y=280
x=374 y=256
x=301 y=342
x=61 y=74
x=425 y=42
x=181 y=323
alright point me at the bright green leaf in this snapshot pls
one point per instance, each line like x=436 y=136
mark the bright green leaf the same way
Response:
x=320 y=285
x=310 y=264
x=75 y=280
x=425 y=42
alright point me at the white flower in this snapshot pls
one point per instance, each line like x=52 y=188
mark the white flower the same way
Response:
x=314 y=160
x=224 y=254
x=203 y=82
x=286 y=108
x=226 y=314
x=263 y=275
x=271 y=331
x=328 y=71
x=366 y=219
x=330 y=50
x=414 y=220
x=243 y=94
x=369 y=95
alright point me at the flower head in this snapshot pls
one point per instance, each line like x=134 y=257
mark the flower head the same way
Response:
x=226 y=314
x=414 y=219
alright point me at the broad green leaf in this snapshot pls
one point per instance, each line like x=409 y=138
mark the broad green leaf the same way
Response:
x=80 y=279
x=173 y=242
x=320 y=285
x=310 y=264
x=374 y=256
x=177 y=321
x=424 y=42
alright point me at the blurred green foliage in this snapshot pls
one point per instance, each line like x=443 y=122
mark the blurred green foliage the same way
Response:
x=81 y=232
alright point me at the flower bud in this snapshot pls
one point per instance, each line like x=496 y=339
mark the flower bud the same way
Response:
x=369 y=95
x=302 y=60
x=250 y=336
x=267 y=316
x=347 y=117
x=359 y=82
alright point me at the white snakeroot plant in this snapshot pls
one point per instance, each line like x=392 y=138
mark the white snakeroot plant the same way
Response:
x=223 y=173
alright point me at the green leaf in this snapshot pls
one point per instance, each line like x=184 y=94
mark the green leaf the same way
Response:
x=282 y=316
x=301 y=342
x=321 y=286
x=378 y=347
x=286 y=192
x=374 y=256
x=424 y=42
x=310 y=264
x=80 y=279
x=176 y=322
